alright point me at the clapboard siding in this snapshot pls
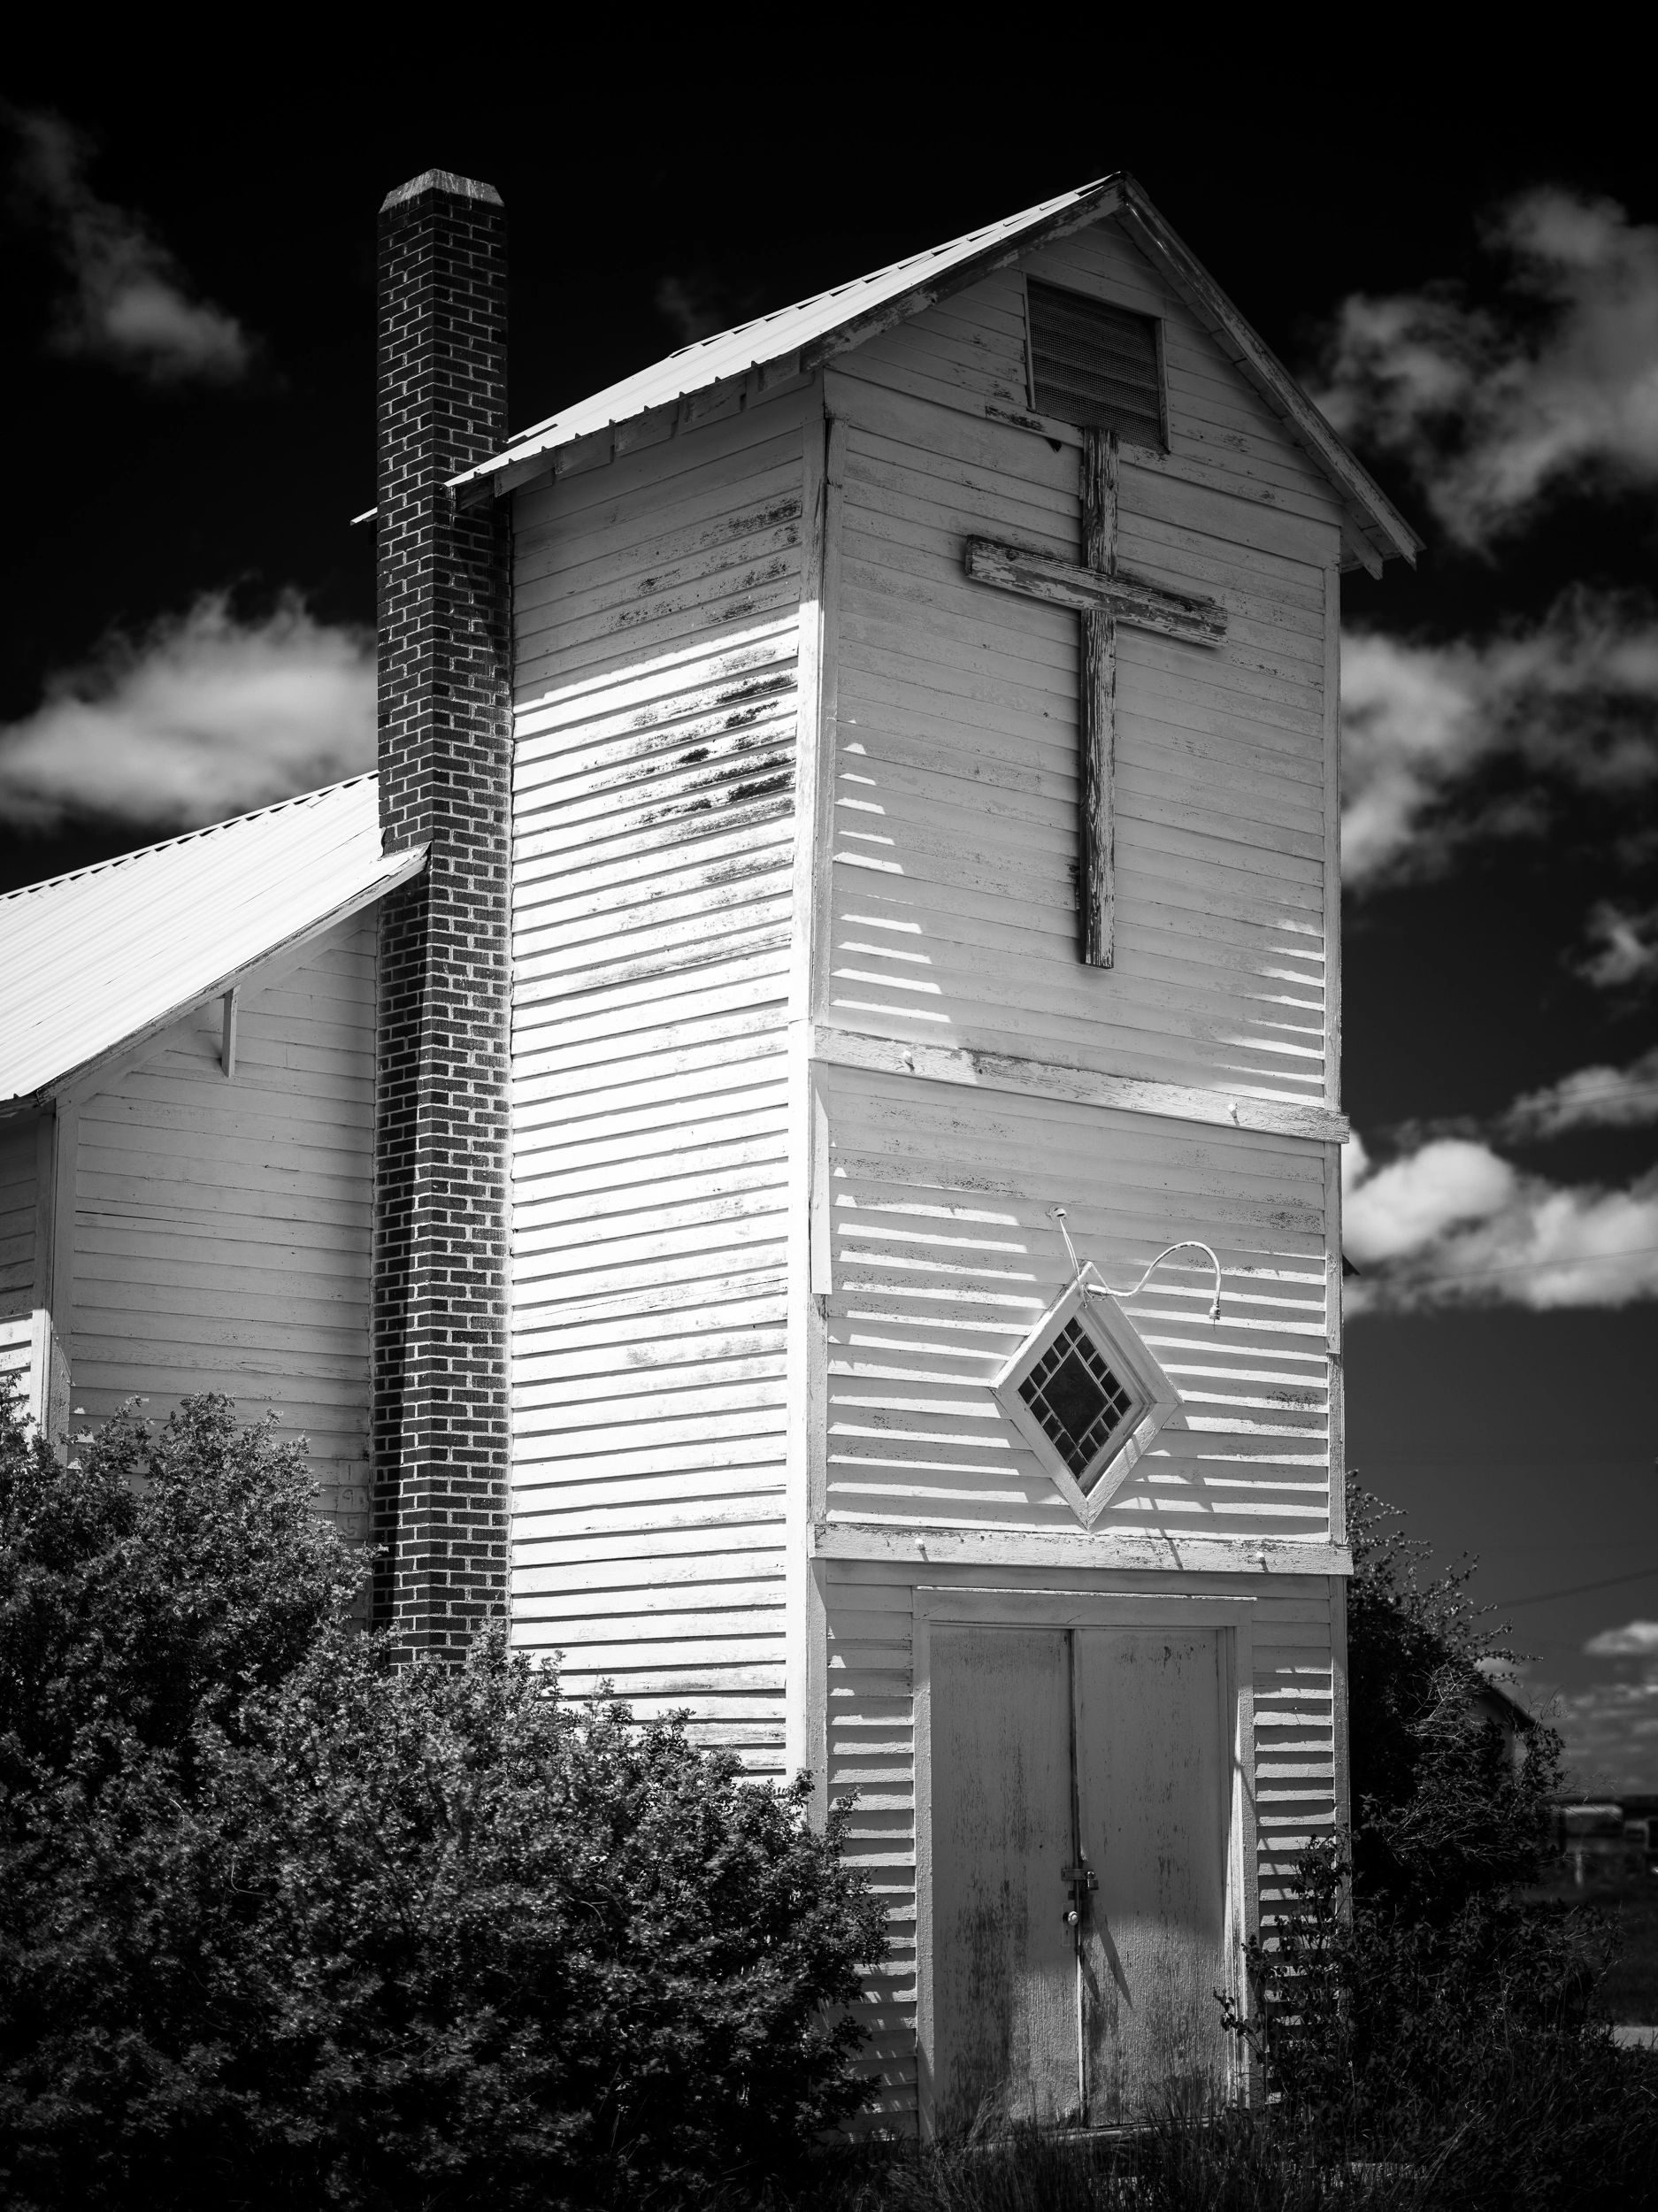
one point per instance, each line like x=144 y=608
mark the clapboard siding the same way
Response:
x=945 y=1253
x=1296 y=1786
x=956 y=816
x=18 y=1196
x=654 y=1184
x=653 y=811
x=969 y=353
x=870 y=1754
x=696 y=536
x=222 y=1228
x=955 y=824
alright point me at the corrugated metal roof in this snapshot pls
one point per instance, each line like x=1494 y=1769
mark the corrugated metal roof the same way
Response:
x=94 y=960
x=773 y=338
x=812 y=330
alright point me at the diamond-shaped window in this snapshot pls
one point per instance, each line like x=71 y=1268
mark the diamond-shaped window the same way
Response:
x=1086 y=1393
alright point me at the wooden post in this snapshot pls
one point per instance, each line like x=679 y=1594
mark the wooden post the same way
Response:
x=1097 y=706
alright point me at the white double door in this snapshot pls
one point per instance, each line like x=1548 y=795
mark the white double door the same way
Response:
x=1081 y=1817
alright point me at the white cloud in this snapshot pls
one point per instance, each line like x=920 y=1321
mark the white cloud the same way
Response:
x=1571 y=703
x=1451 y=1223
x=1491 y=408
x=204 y=718
x=129 y=303
x=1624 y=948
x=1636 y=1640
x=1407 y=1205
x=1590 y=1098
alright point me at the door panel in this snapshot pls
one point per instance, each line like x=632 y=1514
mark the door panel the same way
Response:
x=1152 y=1779
x=1005 y=2042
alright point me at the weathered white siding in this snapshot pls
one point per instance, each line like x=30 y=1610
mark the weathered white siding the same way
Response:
x=870 y=1724
x=655 y=1196
x=222 y=1228
x=945 y=1253
x=954 y=898
x=18 y=1149
x=653 y=839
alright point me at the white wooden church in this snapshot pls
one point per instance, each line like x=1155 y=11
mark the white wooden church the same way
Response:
x=791 y=1135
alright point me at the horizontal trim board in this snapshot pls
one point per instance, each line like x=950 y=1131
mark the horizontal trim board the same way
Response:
x=1113 y=1550
x=847 y=1047
x=947 y=1602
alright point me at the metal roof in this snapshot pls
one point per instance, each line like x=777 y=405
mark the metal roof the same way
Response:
x=100 y=959
x=797 y=339
x=845 y=314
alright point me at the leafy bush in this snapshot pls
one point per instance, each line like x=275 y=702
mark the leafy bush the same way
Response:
x=287 y=1922
x=1406 y=2002
x=150 y=1585
x=1443 y=1814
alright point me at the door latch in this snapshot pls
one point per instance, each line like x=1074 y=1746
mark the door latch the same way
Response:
x=1080 y=1880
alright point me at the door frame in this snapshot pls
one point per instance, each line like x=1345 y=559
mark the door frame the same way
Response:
x=1229 y=1618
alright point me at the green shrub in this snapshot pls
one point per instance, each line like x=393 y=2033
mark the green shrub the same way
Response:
x=1442 y=1813
x=1407 y=2005
x=150 y=1584
x=284 y=1921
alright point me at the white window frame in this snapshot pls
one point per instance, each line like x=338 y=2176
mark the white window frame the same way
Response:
x=1091 y=1304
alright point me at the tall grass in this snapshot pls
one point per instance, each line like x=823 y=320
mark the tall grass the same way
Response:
x=1568 y=2124
x=1237 y=2162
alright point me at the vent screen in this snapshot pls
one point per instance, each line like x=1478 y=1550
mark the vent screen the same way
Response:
x=1094 y=364
x=1078 y=1401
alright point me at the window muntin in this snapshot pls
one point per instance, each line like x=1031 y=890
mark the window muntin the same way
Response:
x=1079 y=1401
x=1086 y=1393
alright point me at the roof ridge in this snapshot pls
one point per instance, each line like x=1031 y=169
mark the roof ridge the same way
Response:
x=184 y=837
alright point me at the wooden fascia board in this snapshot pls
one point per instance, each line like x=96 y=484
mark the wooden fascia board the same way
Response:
x=1379 y=520
x=73 y=1079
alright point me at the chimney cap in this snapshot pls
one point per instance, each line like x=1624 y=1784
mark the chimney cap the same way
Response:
x=440 y=180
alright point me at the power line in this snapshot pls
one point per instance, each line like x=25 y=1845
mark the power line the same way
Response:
x=1522 y=1267
x=1577 y=1589
x=1609 y=1093
x=1502 y=1465
x=1553 y=1549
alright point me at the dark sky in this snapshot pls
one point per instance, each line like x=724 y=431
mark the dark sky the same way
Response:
x=743 y=177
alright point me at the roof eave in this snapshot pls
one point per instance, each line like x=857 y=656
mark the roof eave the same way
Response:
x=505 y=472
x=1380 y=526
x=1374 y=532
x=405 y=867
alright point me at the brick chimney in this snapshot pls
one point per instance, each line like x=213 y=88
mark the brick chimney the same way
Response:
x=439 y=1313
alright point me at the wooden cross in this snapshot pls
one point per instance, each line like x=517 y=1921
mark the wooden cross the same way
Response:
x=1103 y=597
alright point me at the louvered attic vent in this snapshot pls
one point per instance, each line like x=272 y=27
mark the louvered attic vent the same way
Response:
x=1088 y=1394
x=1096 y=365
